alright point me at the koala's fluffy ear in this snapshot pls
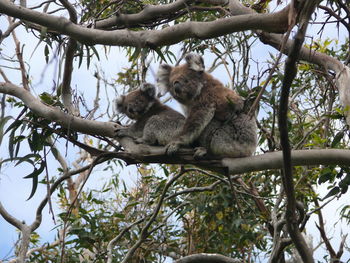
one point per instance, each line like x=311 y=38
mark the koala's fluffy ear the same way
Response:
x=149 y=89
x=163 y=75
x=119 y=104
x=195 y=62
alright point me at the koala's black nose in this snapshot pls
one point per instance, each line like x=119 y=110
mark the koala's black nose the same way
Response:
x=131 y=111
x=177 y=87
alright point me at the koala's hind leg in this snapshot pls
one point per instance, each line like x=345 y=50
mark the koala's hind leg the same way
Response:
x=233 y=141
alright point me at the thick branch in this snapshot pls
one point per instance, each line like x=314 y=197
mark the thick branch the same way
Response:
x=306 y=54
x=273 y=160
x=21 y=226
x=207 y=258
x=9 y=218
x=56 y=115
x=148 y=13
x=276 y=22
x=155 y=14
x=323 y=60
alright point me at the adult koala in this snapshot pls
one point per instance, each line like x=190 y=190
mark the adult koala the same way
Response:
x=215 y=116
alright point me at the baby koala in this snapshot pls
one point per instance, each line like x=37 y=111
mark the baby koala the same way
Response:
x=216 y=118
x=155 y=123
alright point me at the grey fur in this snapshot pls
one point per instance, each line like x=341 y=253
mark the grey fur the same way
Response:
x=155 y=123
x=216 y=119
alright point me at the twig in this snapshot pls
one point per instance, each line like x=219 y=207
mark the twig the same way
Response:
x=112 y=243
x=300 y=143
x=195 y=190
x=70 y=209
x=269 y=77
x=144 y=232
x=20 y=58
x=3 y=75
x=48 y=187
x=9 y=30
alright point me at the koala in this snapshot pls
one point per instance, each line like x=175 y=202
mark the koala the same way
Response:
x=155 y=123
x=216 y=117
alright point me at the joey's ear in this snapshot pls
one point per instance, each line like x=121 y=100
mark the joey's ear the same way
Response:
x=149 y=89
x=119 y=103
x=195 y=62
x=163 y=81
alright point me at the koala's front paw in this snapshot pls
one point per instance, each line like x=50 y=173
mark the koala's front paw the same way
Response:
x=199 y=153
x=172 y=147
x=120 y=131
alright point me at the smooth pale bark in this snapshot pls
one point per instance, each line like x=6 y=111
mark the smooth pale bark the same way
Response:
x=207 y=258
x=270 y=22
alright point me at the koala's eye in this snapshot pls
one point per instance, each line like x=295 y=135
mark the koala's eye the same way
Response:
x=177 y=86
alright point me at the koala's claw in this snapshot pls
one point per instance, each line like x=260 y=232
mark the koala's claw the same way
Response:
x=199 y=153
x=120 y=131
x=172 y=148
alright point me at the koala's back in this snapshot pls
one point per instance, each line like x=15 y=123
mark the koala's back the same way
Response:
x=235 y=137
x=163 y=124
x=231 y=132
x=226 y=101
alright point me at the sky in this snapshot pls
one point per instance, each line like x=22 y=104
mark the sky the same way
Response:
x=14 y=190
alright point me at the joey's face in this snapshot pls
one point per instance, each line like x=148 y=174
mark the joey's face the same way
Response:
x=185 y=84
x=135 y=104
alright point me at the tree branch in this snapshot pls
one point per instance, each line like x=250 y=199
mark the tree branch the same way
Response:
x=19 y=57
x=144 y=232
x=112 y=243
x=56 y=115
x=276 y=22
x=197 y=189
x=287 y=176
x=68 y=64
x=25 y=231
x=323 y=60
x=207 y=258
x=9 y=218
x=148 y=13
x=12 y=26
x=137 y=153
